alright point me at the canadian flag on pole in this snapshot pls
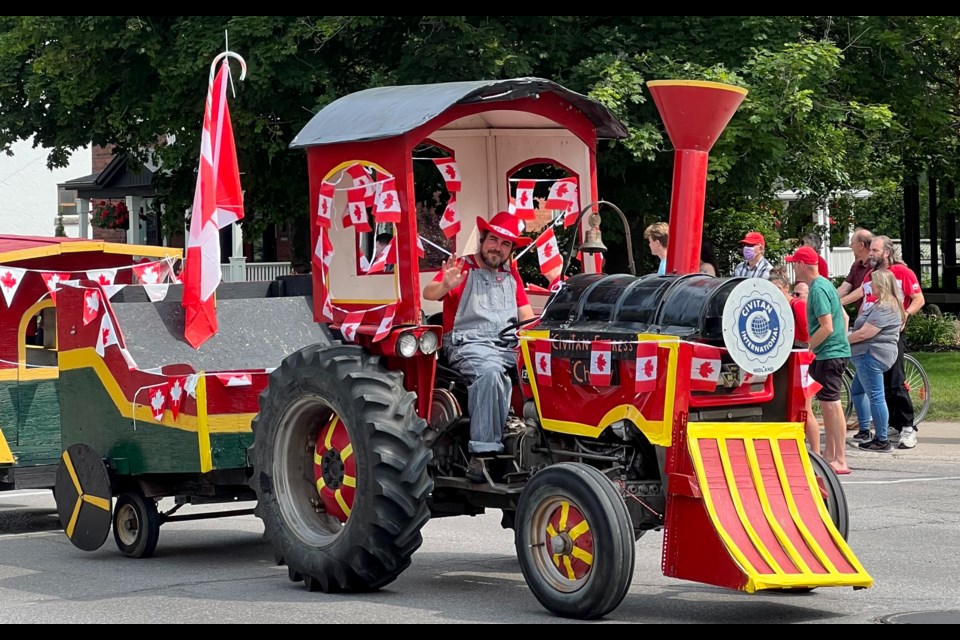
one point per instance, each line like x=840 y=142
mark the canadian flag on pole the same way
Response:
x=647 y=367
x=562 y=194
x=549 y=253
x=601 y=363
x=523 y=201
x=388 y=202
x=450 y=172
x=10 y=278
x=325 y=204
x=450 y=222
x=217 y=202
x=542 y=350
x=810 y=386
x=704 y=368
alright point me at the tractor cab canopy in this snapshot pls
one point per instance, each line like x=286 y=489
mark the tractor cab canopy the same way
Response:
x=402 y=173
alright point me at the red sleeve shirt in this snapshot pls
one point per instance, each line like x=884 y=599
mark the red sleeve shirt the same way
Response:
x=451 y=301
x=906 y=280
x=824 y=269
x=799 y=308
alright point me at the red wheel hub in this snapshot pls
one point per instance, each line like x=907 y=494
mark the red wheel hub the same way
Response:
x=335 y=469
x=570 y=541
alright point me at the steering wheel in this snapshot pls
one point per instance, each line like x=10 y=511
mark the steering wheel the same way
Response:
x=513 y=327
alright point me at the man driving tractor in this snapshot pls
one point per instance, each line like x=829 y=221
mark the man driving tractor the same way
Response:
x=482 y=294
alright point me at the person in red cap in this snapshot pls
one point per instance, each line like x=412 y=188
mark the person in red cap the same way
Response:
x=754 y=265
x=482 y=294
x=827 y=324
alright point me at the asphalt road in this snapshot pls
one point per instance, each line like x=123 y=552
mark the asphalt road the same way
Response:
x=905 y=529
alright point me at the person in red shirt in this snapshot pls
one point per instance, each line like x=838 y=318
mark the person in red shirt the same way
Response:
x=798 y=305
x=813 y=241
x=884 y=255
x=482 y=294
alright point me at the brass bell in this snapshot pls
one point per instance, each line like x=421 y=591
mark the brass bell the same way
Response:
x=592 y=240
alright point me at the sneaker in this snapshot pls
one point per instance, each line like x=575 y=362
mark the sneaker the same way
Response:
x=475 y=470
x=863 y=436
x=908 y=438
x=880 y=446
x=893 y=434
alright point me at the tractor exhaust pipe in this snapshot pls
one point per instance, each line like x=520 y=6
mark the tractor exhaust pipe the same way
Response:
x=694 y=114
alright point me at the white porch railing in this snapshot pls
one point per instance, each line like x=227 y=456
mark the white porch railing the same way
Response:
x=239 y=271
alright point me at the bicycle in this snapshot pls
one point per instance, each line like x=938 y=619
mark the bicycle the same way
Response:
x=915 y=380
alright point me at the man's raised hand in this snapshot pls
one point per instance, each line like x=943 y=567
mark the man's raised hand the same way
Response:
x=453 y=273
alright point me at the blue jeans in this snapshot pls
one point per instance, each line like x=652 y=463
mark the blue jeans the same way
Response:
x=868 y=395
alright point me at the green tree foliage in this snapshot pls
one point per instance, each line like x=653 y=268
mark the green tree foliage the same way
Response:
x=835 y=103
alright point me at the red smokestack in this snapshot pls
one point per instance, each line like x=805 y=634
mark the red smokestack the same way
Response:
x=694 y=114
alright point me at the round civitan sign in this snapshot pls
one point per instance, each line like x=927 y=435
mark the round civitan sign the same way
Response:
x=758 y=326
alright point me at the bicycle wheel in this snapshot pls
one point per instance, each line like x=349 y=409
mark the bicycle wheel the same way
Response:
x=918 y=386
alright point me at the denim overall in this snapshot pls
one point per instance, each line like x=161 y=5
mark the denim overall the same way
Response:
x=475 y=349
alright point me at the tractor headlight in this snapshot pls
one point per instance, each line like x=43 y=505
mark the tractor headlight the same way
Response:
x=407 y=345
x=429 y=342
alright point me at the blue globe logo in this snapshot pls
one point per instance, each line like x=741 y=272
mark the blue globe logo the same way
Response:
x=760 y=326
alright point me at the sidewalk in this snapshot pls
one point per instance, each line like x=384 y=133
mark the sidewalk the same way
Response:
x=934 y=440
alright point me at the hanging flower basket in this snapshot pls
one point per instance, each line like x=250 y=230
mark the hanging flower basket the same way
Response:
x=110 y=215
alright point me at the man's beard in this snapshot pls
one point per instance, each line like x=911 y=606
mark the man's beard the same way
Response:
x=875 y=263
x=491 y=259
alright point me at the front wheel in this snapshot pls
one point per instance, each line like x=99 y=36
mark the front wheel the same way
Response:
x=136 y=525
x=575 y=541
x=340 y=469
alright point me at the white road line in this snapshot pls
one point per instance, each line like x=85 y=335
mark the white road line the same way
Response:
x=902 y=480
x=25 y=492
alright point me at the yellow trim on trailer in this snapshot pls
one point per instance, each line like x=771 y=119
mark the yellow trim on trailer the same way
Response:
x=93 y=246
x=6 y=455
x=87 y=358
x=659 y=432
x=203 y=428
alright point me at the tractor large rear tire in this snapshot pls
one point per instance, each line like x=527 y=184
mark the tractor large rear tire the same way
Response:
x=340 y=469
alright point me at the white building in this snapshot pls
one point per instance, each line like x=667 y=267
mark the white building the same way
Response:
x=29 y=199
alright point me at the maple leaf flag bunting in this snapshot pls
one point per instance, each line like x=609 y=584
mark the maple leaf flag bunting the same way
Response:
x=217 y=202
x=107 y=335
x=357 y=210
x=542 y=351
x=450 y=172
x=601 y=363
x=388 y=203
x=175 y=389
x=809 y=385
x=91 y=306
x=350 y=325
x=10 y=278
x=325 y=205
x=549 y=253
x=704 y=368
x=450 y=222
x=361 y=178
x=647 y=367
x=523 y=201
x=53 y=280
x=158 y=403
x=386 y=324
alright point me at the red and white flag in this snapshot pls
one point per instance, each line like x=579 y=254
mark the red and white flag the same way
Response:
x=52 y=281
x=350 y=325
x=91 y=306
x=810 y=386
x=562 y=194
x=175 y=391
x=647 y=367
x=601 y=363
x=387 y=208
x=158 y=402
x=704 y=368
x=106 y=278
x=150 y=273
x=549 y=253
x=357 y=211
x=387 y=256
x=542 y=366
x=450 y=222
x=420 y=250
x=325 y=204
x=217 y=202
x=386 y=324
x=523 y=201
x=324 y=249
x=10 y=279
x=361 y=178
x=107 y=335
x=450 y=172
x=235 y=379
x=326 y=309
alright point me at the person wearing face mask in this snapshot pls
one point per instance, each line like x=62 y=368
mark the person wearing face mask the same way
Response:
x=754 y=265
x=884 y=255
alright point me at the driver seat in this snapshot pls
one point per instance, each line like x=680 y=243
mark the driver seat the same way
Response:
x=447 y=373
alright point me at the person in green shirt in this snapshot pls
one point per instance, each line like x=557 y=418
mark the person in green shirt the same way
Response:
x=828 y=324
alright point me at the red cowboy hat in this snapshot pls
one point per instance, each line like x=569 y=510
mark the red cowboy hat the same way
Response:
x=505 y=226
